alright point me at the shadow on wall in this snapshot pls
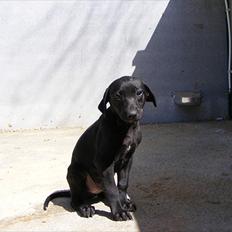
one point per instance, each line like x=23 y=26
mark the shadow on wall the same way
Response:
x=187 y=52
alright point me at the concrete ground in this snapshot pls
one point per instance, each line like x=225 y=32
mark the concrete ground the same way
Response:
x=181 y=180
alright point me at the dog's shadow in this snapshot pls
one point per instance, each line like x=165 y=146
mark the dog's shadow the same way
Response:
x=65 y=203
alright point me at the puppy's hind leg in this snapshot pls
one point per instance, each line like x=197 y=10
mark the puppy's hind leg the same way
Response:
x=76 y=178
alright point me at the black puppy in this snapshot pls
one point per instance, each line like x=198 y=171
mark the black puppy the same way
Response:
x=106 y=148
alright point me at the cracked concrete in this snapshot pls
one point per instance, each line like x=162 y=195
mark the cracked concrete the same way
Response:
x=181 y=180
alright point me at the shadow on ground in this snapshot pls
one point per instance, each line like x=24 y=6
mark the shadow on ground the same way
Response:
x=182 y=178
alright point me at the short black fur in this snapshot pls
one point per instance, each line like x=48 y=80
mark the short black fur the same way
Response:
x=106 y=148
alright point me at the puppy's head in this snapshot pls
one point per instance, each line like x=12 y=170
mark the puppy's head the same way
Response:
x=127 y=97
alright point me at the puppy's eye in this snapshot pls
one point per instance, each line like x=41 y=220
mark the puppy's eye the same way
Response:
x=118 y=95
x=139 y=93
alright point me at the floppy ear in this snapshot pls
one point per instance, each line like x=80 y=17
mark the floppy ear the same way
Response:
x=105 y=99
x=149 y=95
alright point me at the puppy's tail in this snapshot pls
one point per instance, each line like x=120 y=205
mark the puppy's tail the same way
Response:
x=61 y=193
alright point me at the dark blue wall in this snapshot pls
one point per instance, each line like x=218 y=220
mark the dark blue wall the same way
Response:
x=187 y=52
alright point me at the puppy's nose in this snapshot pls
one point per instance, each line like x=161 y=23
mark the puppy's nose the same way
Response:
x=132 y=115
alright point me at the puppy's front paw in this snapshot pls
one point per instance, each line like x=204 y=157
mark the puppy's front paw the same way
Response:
x=122 y=216
x=129 y=205
x=86 y=211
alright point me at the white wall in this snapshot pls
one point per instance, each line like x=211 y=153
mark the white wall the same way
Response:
x=57 y=57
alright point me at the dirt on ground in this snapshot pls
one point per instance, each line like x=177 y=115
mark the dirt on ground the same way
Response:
x=181 y=180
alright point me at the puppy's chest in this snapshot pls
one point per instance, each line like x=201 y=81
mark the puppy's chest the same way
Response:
x=128 y=146
x=124 y=155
